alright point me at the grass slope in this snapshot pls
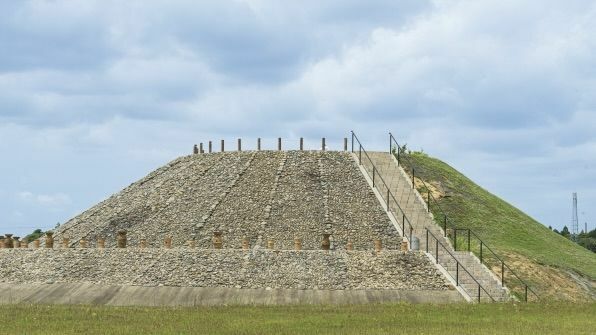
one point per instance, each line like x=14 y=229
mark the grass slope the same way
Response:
x=559 y=318
x=556 y=267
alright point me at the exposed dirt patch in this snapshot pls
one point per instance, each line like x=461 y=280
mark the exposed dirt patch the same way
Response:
x=435 y=187
x=550 y=282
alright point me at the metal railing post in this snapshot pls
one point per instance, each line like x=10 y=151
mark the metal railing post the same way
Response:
x=413 y=177
x=502 y=273
x=411 y=237
x=403 y=224
x=374 y=176
x=360 y=155
x=426 y=240
x=445 y=226
x=352 y=141
x=478 y=292
x=387 y=199
x=389 y=143
x=526 y=293
x=456 y=273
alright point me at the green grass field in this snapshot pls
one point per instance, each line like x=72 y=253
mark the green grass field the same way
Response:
x=556 y=267
x=551 y=318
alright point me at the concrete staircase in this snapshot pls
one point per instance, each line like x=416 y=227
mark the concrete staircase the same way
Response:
x=414 y=208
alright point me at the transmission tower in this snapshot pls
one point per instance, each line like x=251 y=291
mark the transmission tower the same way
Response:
x=574 y=220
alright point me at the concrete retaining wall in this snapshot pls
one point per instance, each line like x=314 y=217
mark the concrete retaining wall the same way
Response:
x=120 y=295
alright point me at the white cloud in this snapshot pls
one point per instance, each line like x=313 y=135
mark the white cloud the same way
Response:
x=112 y=89
x=55 y=200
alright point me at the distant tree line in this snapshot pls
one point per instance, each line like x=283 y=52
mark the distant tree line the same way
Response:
x=586 y=240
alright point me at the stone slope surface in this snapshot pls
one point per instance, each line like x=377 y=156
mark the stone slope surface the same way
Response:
x=307 y=269
x=261 y=195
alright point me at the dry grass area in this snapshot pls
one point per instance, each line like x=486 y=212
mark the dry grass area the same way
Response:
x=554 y=283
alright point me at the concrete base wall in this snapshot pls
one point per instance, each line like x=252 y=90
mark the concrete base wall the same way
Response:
x=121 y=295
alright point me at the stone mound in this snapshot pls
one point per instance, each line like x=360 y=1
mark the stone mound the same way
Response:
x=260 y=195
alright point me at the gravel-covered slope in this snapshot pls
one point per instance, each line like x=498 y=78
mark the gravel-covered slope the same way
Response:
x=262 y=195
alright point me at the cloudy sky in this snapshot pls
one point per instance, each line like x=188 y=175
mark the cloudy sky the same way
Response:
x=96 y=94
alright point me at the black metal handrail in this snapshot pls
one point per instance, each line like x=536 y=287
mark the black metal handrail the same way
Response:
x=458 y=265
x=389 y=195
x=448 y=221
x=482 y=248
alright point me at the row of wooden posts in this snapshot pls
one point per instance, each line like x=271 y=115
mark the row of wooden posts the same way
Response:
x=9 y=241
x=199 y=149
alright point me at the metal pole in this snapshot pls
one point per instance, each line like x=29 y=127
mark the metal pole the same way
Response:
x=259 y=144
x=323 y=144
x=301 y=143
x=426 y=240
x=478 y=292
x=374 y=176
x=279 y=144
x=210 y=147
x=387 y=200
x=526 y=293
x=456 y=273
x=403 y=225
x=345 y=144
x=413 y=177
x=352 y=141
x=239 y=144
x=360 y=155
x=445 y=226
x=502 y=273
x=222 y=146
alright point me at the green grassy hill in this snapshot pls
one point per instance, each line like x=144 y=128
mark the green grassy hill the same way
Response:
x=555 y=267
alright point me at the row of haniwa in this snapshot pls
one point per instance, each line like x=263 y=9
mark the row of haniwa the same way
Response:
x=9 y=242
